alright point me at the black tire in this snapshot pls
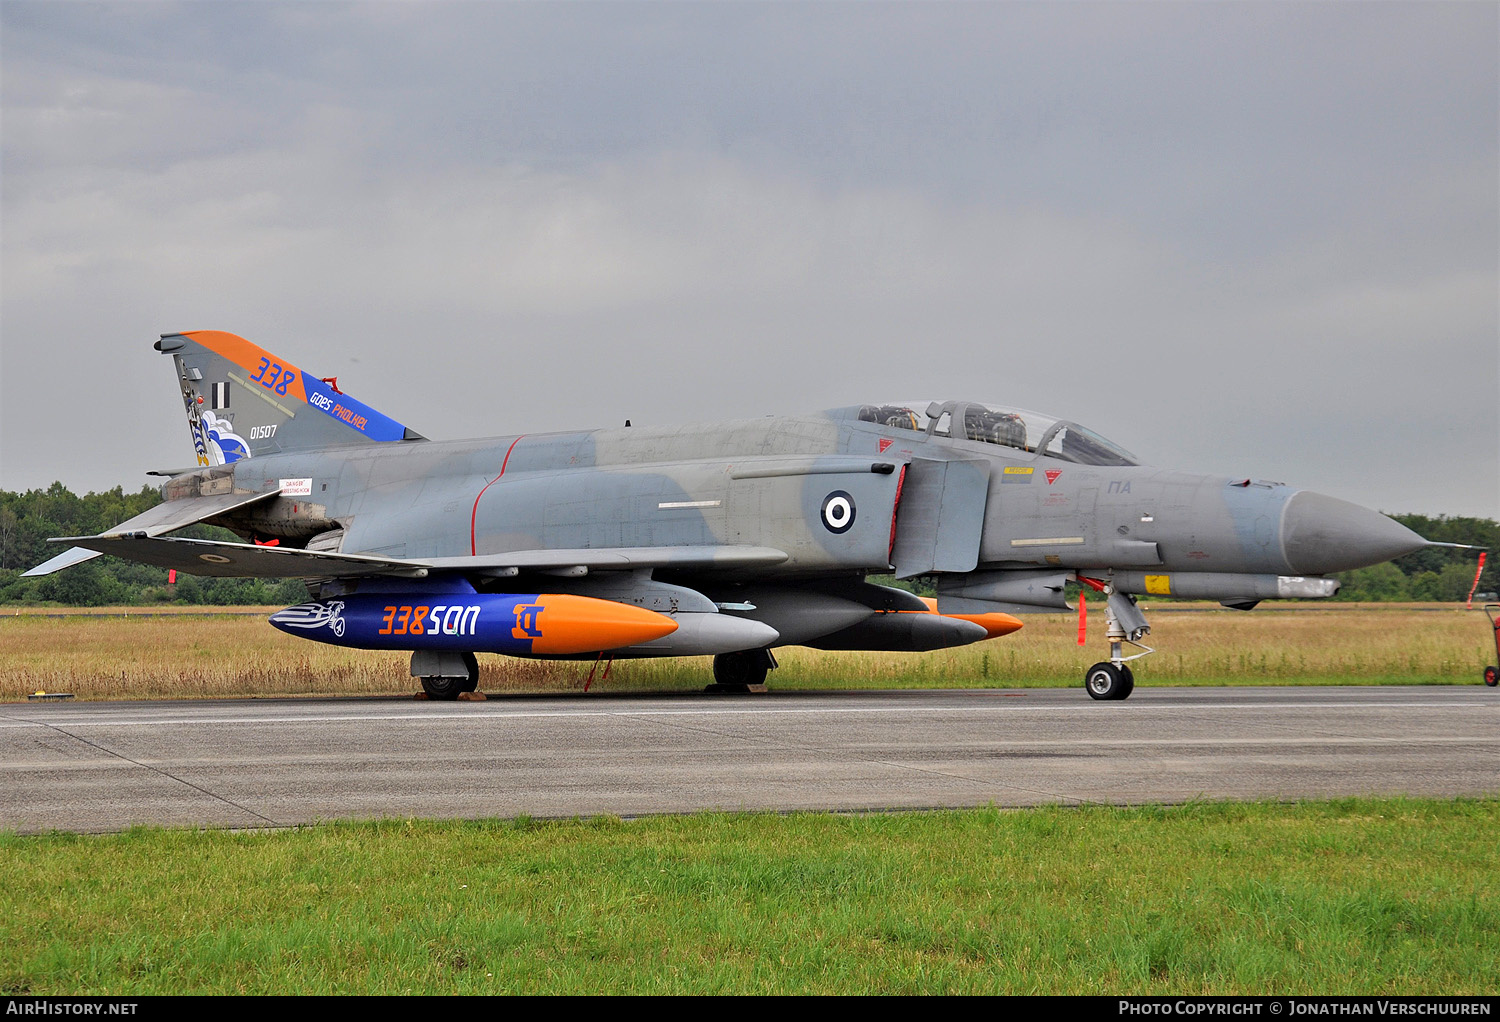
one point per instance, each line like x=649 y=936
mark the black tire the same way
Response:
x=446 y=689
x=1491 y=676
x=736 y=672
x=1104 y=681
x=472 y=663
x=1128 y=678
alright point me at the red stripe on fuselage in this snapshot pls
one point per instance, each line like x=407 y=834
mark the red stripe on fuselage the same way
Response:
x=474 y=515
x=895 y=508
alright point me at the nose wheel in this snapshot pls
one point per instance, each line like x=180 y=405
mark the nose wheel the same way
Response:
x=1108 y=681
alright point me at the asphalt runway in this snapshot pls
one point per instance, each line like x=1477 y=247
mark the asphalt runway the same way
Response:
x=260 y=763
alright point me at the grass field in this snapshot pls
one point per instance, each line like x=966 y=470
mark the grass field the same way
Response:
x=1354 y=896
x=186 y=655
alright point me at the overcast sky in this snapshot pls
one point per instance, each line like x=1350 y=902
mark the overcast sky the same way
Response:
x=1257 y=239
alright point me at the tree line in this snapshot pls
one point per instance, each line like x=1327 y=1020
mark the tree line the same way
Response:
x=28 y=519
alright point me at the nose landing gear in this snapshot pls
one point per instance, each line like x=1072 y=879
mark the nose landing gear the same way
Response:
x=1123 y=623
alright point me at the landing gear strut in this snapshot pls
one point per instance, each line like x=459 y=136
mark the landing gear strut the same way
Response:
x=1123 y=623
x=736 y=672
x=444 y=675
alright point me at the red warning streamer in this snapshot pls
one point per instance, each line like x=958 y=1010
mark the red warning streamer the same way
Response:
x=1477 y=572
x=1084 y=584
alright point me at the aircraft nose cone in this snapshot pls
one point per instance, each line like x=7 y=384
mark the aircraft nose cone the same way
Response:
x=1324 y=534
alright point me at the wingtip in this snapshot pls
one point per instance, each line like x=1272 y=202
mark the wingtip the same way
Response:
x=66 y=559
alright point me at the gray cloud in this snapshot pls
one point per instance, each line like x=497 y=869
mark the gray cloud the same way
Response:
x=1241 y=238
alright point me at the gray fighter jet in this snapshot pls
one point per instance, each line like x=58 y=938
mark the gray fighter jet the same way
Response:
x=726 y=538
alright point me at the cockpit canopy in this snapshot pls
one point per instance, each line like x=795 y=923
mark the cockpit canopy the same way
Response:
x=1009 y=427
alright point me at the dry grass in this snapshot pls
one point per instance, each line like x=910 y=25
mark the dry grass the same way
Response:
x=182 y=656
x=196 y=655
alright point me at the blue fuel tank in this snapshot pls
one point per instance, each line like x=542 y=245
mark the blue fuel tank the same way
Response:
x=529 y=624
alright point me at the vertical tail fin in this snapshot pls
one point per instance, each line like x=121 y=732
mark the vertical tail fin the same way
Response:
x=243 y=401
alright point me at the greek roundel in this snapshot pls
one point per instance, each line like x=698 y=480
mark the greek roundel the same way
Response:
x=838 y=512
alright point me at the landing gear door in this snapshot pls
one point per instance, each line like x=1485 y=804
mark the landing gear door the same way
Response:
x=941 y=516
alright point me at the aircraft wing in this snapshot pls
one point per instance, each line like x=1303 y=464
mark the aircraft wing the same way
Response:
x=246 y=560
x=241 y=560
x=163 y=518
x=616 y=558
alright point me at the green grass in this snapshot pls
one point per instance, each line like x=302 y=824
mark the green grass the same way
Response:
x=1367 y=896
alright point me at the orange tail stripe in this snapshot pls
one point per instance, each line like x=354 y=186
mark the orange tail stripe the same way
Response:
x=247 y=356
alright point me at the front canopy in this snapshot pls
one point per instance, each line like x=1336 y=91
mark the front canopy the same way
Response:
x=1018 y=428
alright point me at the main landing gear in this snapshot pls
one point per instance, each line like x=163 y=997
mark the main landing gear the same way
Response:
x=736 y=672
x=1123 y=623
x=445 y=676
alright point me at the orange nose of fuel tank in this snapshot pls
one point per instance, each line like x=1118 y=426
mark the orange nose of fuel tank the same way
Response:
x=995 y=624
x=581 y=624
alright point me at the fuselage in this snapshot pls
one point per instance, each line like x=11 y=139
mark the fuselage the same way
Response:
x=766 y=482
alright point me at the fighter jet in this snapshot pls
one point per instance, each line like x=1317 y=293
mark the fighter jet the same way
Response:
x=728 y=538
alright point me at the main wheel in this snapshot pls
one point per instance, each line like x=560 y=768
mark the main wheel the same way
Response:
x=444 y=688
x=472 y=663
x=1105 y=681
x=1491 y=677
x=736 y=672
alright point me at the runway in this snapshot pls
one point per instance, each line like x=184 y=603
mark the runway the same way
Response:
x=262 y=763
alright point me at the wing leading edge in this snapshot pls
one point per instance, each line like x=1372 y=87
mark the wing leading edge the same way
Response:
x=245 y=560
